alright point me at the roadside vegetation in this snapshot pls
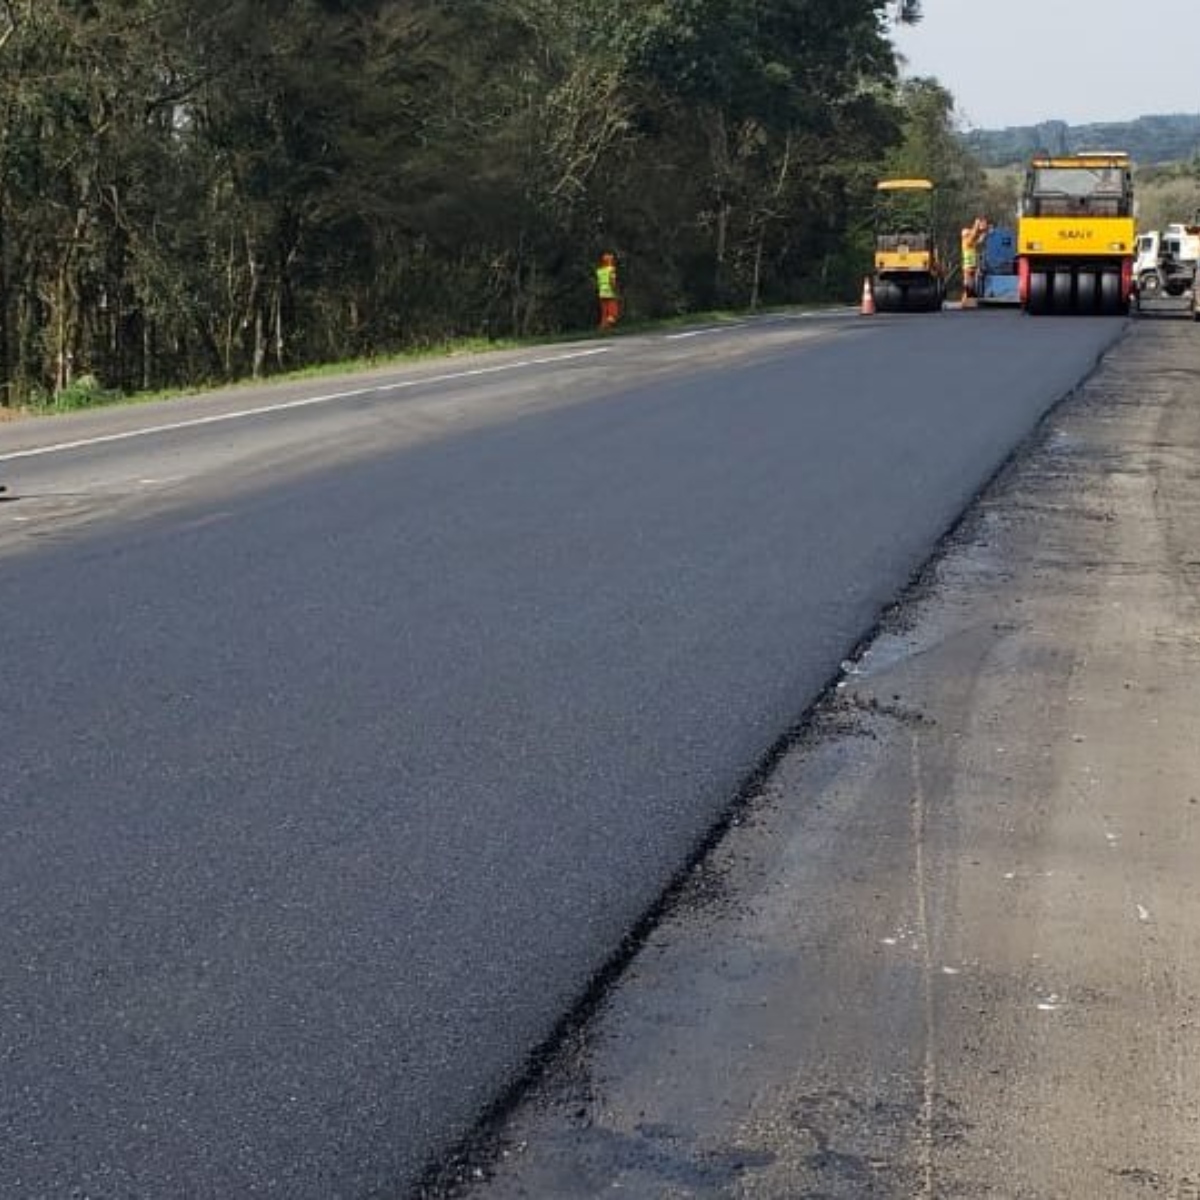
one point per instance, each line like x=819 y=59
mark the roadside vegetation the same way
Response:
x=1167 y=193
x=1148 y=140
x=194 y=194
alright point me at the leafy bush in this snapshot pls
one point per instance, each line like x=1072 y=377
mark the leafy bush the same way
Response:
x=84 y=392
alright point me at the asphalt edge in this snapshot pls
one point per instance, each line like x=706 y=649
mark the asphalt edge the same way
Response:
x=468 y=1161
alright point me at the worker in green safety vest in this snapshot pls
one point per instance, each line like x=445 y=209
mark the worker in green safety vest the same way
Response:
x=972 y=238
x=608 y=292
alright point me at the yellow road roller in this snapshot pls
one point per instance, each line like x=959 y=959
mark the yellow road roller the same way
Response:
x=1076 y=235
x=908 y=276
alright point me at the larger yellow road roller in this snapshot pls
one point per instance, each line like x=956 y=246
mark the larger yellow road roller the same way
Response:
x=1076 y=235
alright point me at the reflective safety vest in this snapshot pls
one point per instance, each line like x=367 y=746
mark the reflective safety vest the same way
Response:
x=606 y=283
x=970 y=258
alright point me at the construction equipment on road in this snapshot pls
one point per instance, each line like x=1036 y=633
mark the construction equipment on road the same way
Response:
x=1165 y=268
x=997 y=281
x=1076 y=234
x=908 y=275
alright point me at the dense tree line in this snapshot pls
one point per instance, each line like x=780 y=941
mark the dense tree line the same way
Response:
x=192 y=192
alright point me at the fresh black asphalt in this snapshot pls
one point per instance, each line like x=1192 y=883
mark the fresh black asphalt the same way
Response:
x=320 y=807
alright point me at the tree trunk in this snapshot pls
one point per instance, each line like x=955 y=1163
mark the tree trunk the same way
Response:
x=6 y=316
x=229 y=334
x=254 y=312
x=147 y=353
x=724 y=213
x=756 y=280
x=277 y=337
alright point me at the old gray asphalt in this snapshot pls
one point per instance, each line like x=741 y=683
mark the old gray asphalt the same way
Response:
x=322 y=799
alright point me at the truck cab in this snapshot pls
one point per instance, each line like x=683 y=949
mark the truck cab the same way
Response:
x=1147 y=253
x=1166 y=261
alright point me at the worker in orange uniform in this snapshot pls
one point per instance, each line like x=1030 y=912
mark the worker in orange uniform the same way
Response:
x=608 y=292
x=972 y=240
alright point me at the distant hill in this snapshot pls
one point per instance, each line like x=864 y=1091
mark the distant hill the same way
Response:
x=1149 y=140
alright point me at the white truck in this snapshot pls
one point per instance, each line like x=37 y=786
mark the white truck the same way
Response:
x=1166 y=262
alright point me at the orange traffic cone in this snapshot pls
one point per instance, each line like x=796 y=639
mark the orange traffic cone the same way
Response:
x=868 y=299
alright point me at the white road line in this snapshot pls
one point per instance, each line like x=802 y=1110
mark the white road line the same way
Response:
x=693 y=333
x=307 y=402
x=776 y=319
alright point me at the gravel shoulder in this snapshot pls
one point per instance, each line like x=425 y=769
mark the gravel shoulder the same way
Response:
x=951 y=948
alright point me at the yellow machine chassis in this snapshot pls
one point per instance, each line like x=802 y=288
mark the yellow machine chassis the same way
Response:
x=1076 y=236
x=902 y=261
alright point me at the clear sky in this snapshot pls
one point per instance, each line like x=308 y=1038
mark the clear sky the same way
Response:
x=1018 y=62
